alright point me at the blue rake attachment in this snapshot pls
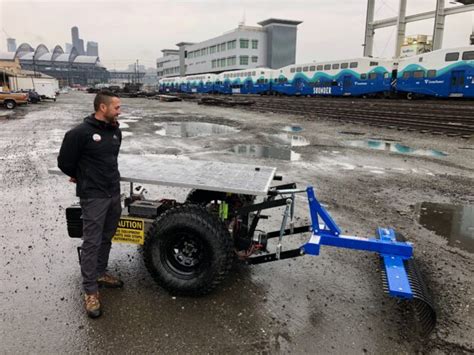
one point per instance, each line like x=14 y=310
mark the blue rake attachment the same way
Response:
x=400 y=276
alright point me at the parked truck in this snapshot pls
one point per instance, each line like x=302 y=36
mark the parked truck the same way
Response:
x=11 y=99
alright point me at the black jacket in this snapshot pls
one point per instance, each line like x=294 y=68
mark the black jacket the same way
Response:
x=89 y=154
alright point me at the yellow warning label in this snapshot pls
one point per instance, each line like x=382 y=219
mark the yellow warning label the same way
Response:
x=130 y=230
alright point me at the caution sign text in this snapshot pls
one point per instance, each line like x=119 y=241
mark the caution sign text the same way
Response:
x=130 y=230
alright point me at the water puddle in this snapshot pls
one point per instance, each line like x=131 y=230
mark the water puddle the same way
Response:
x=192 y=129
x=293 y=128
x=265 y=152
x=395 y=148
x=453 y=222
x=289 y=139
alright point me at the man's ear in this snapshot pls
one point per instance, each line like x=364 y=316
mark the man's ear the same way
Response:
x=103 y=107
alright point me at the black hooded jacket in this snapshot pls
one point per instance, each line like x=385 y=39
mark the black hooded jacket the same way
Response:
x=89 y=154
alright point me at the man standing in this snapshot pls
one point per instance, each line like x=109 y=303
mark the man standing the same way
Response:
x=88 y=156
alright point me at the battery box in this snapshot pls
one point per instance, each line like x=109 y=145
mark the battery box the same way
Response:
x=146 y=208
x=74 y=221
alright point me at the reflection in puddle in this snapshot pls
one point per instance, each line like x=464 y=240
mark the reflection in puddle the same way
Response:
x=293 y=128
x=261 y=151
x=289 y=139
x=192 y=129
x=395 y=147
x=455 y=223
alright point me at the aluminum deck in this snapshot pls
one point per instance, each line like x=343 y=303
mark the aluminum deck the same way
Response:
x=194 y=174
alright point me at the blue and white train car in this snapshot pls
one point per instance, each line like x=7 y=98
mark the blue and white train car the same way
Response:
x=249 y=81
x=441 y=73
x=202 y=83
x=353 y=77
x=169 y=85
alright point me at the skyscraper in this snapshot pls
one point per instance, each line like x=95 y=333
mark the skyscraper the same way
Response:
x=68 y=47
x=11 y=44
x=76 y=41
x=92 y=48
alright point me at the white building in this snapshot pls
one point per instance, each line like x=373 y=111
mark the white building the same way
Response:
x=270 y=45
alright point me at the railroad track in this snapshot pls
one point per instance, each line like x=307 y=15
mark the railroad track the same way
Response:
x=452 y=118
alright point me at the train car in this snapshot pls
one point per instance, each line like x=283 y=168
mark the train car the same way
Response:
x=351 y=77
x=169 y=85
x=441 y=73
x=249 y=81
x=202 y=83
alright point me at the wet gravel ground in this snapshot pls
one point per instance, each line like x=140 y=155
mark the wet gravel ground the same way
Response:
x=332 y=303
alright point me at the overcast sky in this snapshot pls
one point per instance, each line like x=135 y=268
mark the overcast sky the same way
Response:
x=139 y=29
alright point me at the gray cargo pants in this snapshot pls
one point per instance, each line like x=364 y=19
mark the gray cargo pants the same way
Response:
x=100 y=217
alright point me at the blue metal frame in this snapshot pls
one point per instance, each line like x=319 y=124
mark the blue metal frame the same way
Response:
x=391 y=251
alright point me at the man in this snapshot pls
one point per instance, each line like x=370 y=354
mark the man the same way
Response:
x=88 y=156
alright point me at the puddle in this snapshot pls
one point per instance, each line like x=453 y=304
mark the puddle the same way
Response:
x=126 y=134
x=293 y=128
x=455 y=223
x=289 y=139
x=192 y=129
x=265 y=152
x=395 y=148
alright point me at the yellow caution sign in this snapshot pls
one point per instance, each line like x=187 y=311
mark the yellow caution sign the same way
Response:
x=130 y=230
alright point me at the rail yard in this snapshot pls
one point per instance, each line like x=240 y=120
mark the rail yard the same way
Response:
x=407 y=165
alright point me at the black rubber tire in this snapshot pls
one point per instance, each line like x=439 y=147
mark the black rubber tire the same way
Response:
x=188 y=251
x=10 y=104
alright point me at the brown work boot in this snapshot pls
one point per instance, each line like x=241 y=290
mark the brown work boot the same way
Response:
x=92 y=304
x=109 y=281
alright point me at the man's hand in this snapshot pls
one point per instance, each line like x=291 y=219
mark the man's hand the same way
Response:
x=73 y=180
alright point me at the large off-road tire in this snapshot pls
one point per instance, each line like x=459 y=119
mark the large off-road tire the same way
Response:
x=188 y=251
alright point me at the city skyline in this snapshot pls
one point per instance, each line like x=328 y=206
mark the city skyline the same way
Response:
x=128 y=32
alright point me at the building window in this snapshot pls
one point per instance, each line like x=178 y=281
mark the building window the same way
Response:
x=203 y=51
x=298 y=69
x=222 y=45
x=319 y=67
x=231 y=61
x=254 y=43
x=327 y=67
x=214 y=63
x=451 y=57
x=353 y=65
x=335 y=66
x=344 y=65
x=222 y=62
x=244 y=43
x=312 y=68
x=212 y=49
x=292 y=70
x=468 y=55
x=254 y=59
x=305 y=68
x=231 y=44
x=373 y=64
x=244 y=59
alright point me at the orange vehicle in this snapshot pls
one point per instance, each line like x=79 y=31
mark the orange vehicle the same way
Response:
x=11 y=99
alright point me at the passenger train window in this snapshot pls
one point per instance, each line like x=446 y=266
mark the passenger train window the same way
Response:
x=305 y=68
x=319 y=67
x=327 y=67
x=406 y=74
x=312 y=68
x=344 y=65
x=431 y=73
x=419 y=74
x=363 y=76
x=468 y=55
x=292 y=70
x=451 y=57
x=298 y=69
x=353 y=65
x=335 y=66
x=385 y=75
x=372 y=76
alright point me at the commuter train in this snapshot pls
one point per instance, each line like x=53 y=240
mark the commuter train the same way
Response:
x=442 y=73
